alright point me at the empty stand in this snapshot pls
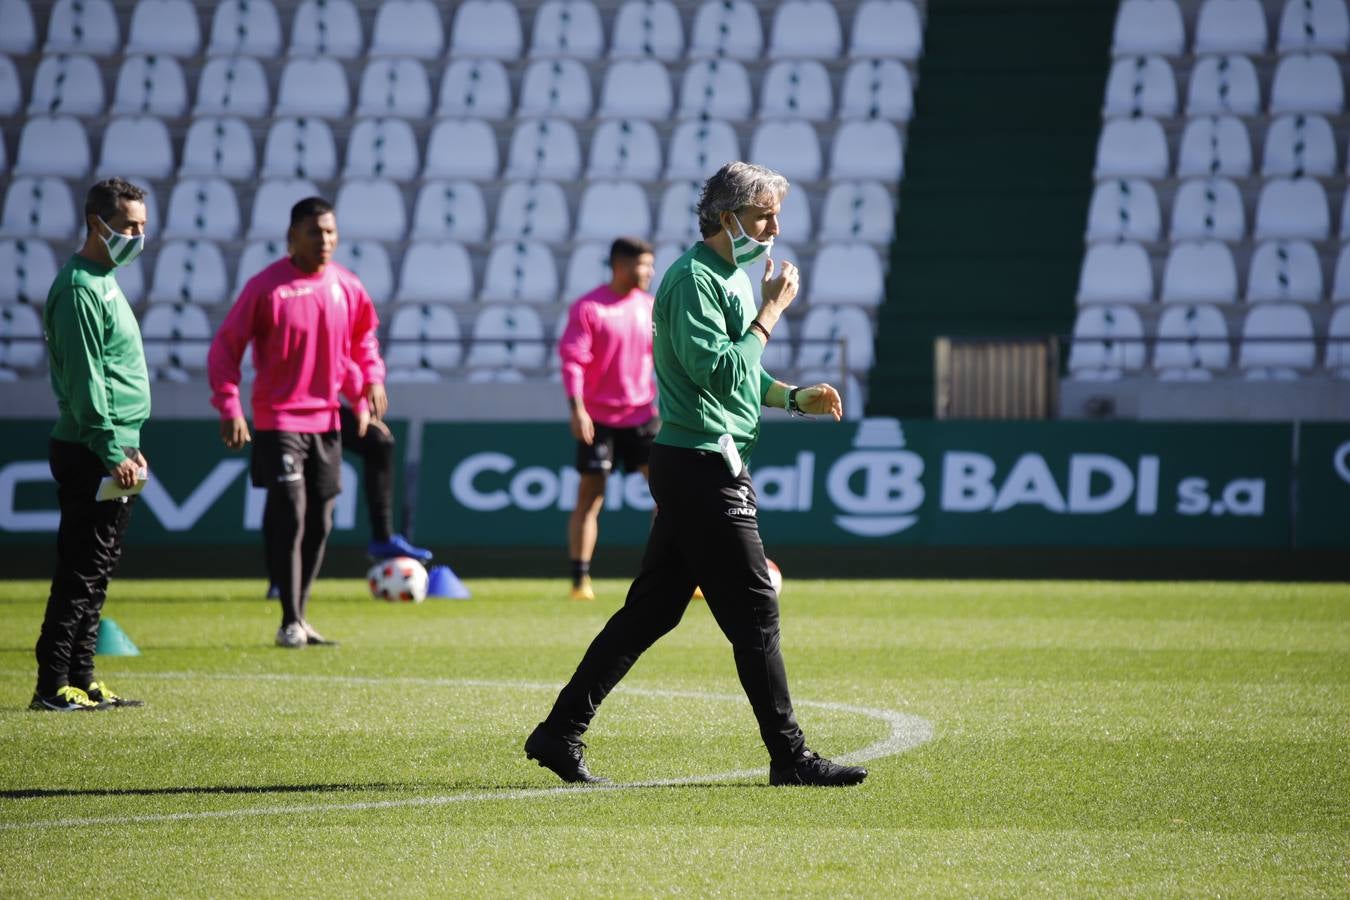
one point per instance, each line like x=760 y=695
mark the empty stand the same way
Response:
x=245 y=28
x=219 y=146
x=204 y=208
x=300 y=147
x=52 y=145
x=610 y=208
x=452 y=210
x=834 y=337
x=798 y=89
x=790 y=147
x=1124 y=209
x=1108 y=341
x=475 y=87
x=544 y=148
x=369 y=260
x=1283 y=271
x=1200 y=272
x=27 y=269
x=1231 y=26
x=371 y=209
x=232 y=86
x=272 y=205
x=625 y=148
x=533 y=210
x=1214 y=145
x=1223 y=85
x=21 y=344
x=407 y=28
x=64 y=84
x=1308 y=82
x=1141 y=85
x=189 y=271
x=83 y=26
x=461 y=148
x=1116 y=273
x=423 y=339
x=520 y=271
x=382 y=148
x=1277 y=342
x=1299 y=144
x=877 y=89
x=315 y=86
x=19 y=34
x=1192 y=343
x=167 y=27
x=858 y=211
x=394 y=87
x=1206 y=208
x=436 y=271
x=886 y=28
x=38 y=207
x=1293 y=208
x=568 y=28
x=151 y=85
x=645 y=28
x=716 y=89
x=488 y=28
x=1149 y=26
x=327 y=28
x=726 y=28
x=136 y=147
x=638 y=89
x=806 y=29
x=507 y=337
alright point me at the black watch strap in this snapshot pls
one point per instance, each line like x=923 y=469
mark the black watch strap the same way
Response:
x=792 y=400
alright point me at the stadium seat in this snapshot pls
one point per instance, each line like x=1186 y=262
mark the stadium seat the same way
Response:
x=726 y=29
x=475 y=87
x=847 y=273
x=867 y=149
x=394 y=87
x=1192 y=343
x=461 y=148
x=1208 y=208
x=587 y=268
x=1148 y=26
x=63 y=84
x=556 y=87
x=39 y=207
x=1277 y=342
x=176 y=336
x=83 y=26
x=21 y=344
x=858 y=211
x=19 y=35
x=272 y=206
x=625 y=148
x=1299 y=144
x=636 y=89
x=4 y=158
x=313 y=87
x=1215 y=145
x=151 y=85
x=245 y=28
x=486 y=28
x=257 y=255
x=190 y=271
x=1199 y=272
x=790 y=147
x=300 y=148
x=569 y=28
x=794 y=219
x=1284 y=271
x=1223 y=85
x=886 y=28
x=877 y=89
x=667 y=253
x=836 y=336
x=371 y=209
x=533 y=211
x=436 y=272
x=11 y=90
x=610 y=208
x=715 y=89
x=544 y=148
x=136 y=147
x=27 y=270
x=1314 y=25
x=382 y=148
x=167 y=27
x=796 y=89
x=1132 y=147
x=677 y=215
x=407 y=28
x=520 y=271
x=647 y=28
x=1231 y=26
x=1115 y=273
x=52 y=145
x=204 y=208
x=507 y=336
x=1124 y=209
x=450 y=210
x=1108 y=341
x=1345 y=215
x=1338 y=342
x=327 y=28
x=369 y=261
x=232 y=86
x=1141 y=84
x=424 y=336
x=219 y=146
x=131 y=279
x=1292 y=208
x=777 y=355
x=1340 y=290
x=805 y=29
x=1307 y=82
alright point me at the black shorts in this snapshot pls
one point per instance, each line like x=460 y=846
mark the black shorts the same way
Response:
x=283 y=458
x=629 y=447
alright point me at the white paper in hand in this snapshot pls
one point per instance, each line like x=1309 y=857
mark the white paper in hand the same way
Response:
x=109 y=489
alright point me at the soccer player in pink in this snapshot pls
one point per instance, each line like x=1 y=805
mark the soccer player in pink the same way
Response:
x=312 y=326
x=606 y=353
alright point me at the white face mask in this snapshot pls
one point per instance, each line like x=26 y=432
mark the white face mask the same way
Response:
x=122 y=248
x=745 y=249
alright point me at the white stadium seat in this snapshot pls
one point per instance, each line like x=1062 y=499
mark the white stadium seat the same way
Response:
x=176 y=336
x=425 y=337
x=245 y=28
x=806 y=29
x=394 y=87
x=219 y=146
x=19 y=35
x=1277 y=342
x=867 y=149
x=777 y=355
x=1108 y=341
x=190 y=271
x=369 y=261
x=407 y=28
x=475 y=87
x=520 y=271
x=1115 y=273
x=327 y=28
x=1215 y=145
x=532 y=210
x=11 y=89
x=21 y=344
x=886 y=28
x=151 y=84
x=461 y=148
x=794 y=219
x=131 y=279
x=790 y=147
x=52 y=145
x=544 y=148
x=27 y=270
x=858 y=211
x=507 y=336
x=167 y=27
x=726 y=28
x=39 y=207
x=63 y=85
x=1222 y=85
x=1314 y=25
x=556 y=87
x=625 y=148
x=232 y=86
x=1299 y=144
x=1141 y=84
x=877 y=89
x=257 y=255
x=382 y=148
x=436 y=272
x=204 y=208
x=716 y=89
x=1285 y=271
x=637 y=89
x=1338 y=342
x=450 y=210
x=83 y=26
x=1132 y=147
x=645 y=28
x=1200 y=272
x=1307 y=82
x=300 y=147
x=136 y=147
x=1340 y=290
x=272 y=206
x=1192 y=343
x=677 y=215
x=796 y=89
x=1124 y=209
x=610 y=208
x=568 y=28
x=1293 y=208
x=486 y=28
x=371 y=209
x=1206 y=208
x=836 y=335
x=666 y=253
x=587 y=268
x=848 y=273
x=1148 y=26
x=313 y=87
x=1231 y=26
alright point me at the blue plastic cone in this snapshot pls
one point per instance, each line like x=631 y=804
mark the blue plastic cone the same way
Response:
x=441 y=582
x=113 y=641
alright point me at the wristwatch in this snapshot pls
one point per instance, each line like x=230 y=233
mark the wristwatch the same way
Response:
x=792 y=401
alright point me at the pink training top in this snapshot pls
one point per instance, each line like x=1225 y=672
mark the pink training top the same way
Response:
x=606 y=353
x=313 y=336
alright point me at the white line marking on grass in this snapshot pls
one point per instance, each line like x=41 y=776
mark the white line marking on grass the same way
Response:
x=905 y=732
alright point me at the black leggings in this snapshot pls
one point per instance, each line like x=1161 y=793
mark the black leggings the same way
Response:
x=376 y=450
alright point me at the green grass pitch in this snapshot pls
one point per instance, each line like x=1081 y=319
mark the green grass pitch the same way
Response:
x=1086 y=739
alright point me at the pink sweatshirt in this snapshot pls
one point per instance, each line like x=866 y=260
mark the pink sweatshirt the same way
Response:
x=313 y=336
x=606 y=353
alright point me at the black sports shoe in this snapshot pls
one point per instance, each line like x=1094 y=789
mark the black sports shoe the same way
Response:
x=561 y=756
x=67 y=698
x=100 y=693
x=815 y=771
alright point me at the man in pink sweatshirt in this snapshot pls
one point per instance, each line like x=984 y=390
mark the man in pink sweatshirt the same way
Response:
x=606 y=353
x=312 y=326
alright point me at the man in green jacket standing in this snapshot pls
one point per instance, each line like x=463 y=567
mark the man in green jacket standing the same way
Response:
x=102 y=391
x=707 y=339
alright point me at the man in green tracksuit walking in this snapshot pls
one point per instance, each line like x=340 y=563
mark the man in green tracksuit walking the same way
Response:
x=102 y=391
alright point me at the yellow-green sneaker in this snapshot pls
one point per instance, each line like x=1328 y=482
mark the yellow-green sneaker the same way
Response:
x=66 y=699
x=101 y=694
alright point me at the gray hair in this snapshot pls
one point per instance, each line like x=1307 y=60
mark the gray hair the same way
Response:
x=734 y=187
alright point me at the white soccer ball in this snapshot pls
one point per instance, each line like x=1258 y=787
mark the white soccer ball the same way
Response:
x=398 y=580
x=775 y=577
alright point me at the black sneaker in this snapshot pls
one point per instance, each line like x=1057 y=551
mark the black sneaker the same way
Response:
x=101 y=694
x=67 y=698
x=815 y=771
x=561 y=756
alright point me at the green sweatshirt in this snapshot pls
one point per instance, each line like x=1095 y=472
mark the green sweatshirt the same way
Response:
x=96 y=360
x=706 y=357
